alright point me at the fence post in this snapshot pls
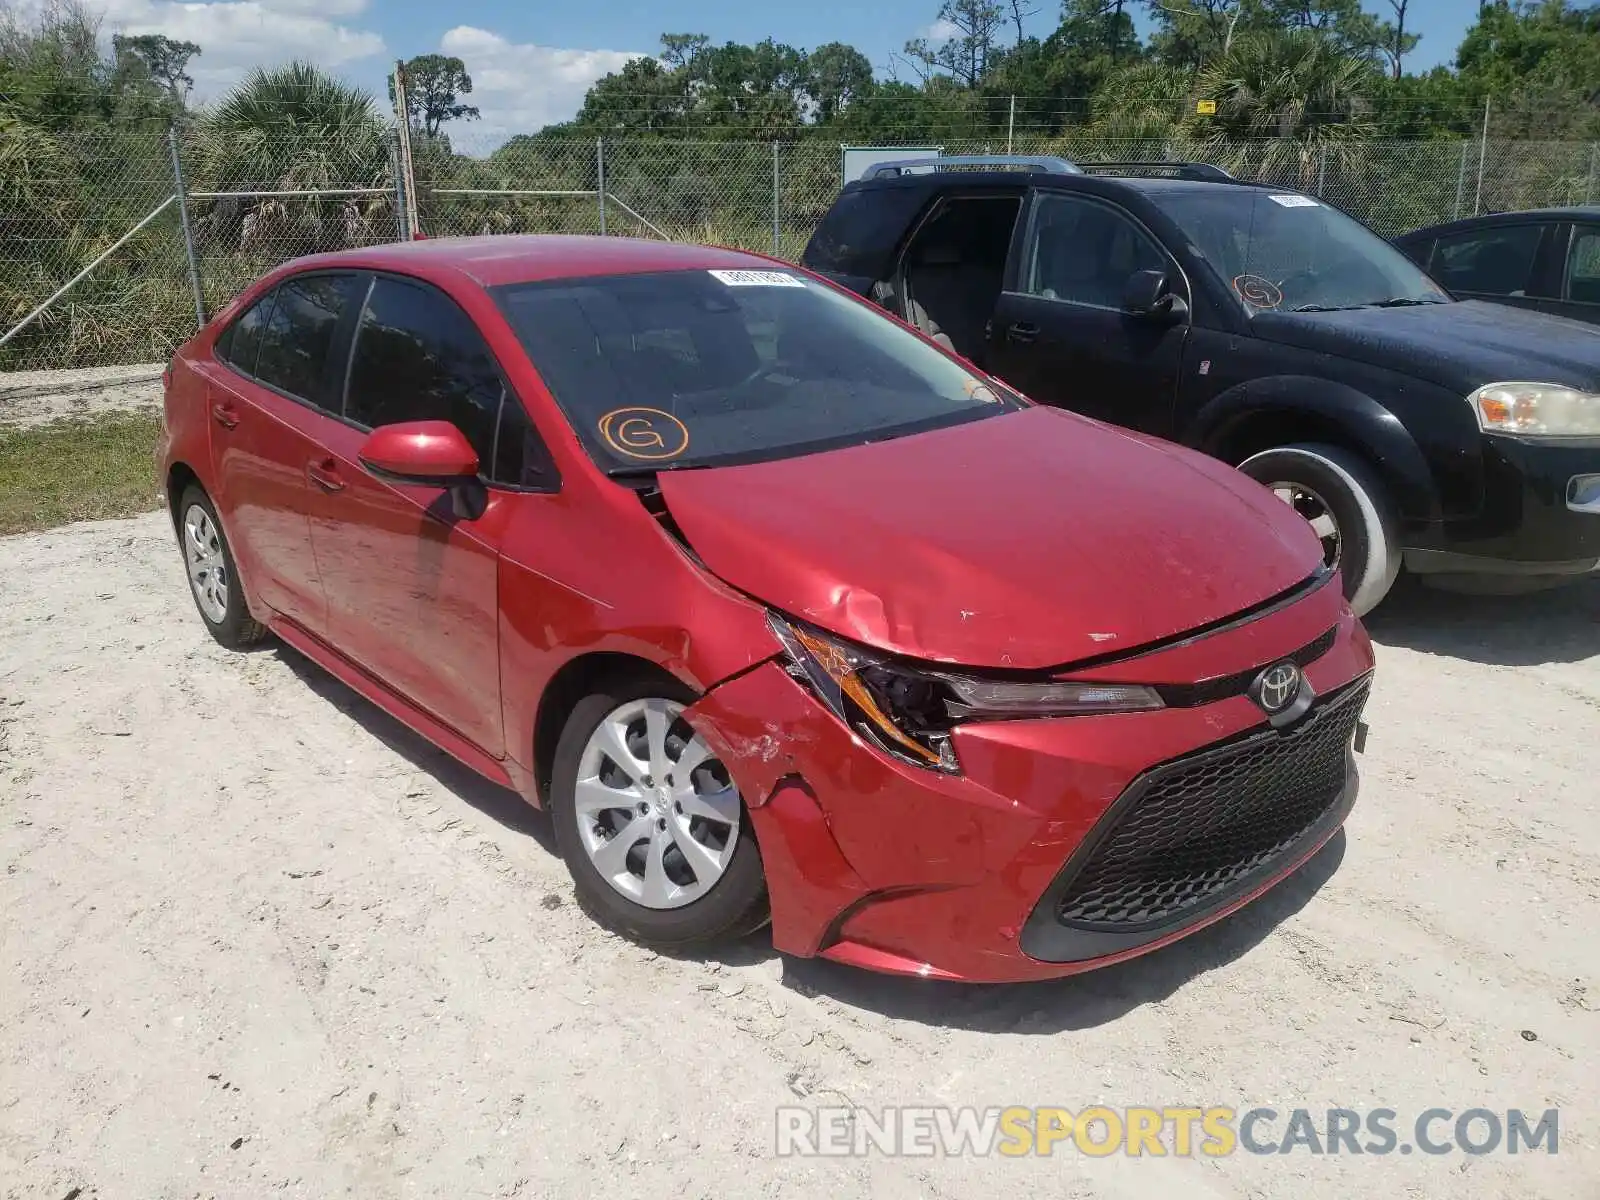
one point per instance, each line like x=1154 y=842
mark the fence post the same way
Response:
x=775 y=206
x=1322 y=172
x=183 y=223
x=401 y=224
x=1483 y=152
x=600 y=171
x=1461 y=180
x=1594 y=169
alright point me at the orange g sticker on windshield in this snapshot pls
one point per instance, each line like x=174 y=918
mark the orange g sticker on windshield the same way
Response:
x=645 y=433
x=1258 y=292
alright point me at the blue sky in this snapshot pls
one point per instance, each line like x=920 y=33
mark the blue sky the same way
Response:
x=531 y=64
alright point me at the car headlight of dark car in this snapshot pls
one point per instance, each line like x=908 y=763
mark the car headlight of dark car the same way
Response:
x=1536 y=410
x=910 y=711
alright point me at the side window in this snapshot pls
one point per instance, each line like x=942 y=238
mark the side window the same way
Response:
x=1083 y=252
x=241 y=341
x=1496 y=262
x=418 y=357
x=297 y=339
x=1583 y=265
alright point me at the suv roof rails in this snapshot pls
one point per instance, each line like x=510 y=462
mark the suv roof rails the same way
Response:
x=1183 y=170
x=1030 y=162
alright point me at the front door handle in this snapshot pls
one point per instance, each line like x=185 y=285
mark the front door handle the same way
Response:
x=325 y=474
x=1021 y=331
x=225 y=414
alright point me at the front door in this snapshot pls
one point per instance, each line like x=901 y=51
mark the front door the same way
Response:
x=413 y=588
x=1059 y=333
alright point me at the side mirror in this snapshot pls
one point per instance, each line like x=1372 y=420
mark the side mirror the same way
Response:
x=1148 y=296
x=430 y=454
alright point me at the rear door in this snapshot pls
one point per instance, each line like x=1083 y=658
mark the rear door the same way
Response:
x=413 y=588
x=1500 y=262
x=1575 y=289
x=1059 y=333
x=267 y=389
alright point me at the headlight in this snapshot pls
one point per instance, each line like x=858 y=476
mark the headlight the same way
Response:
x=1536 y=410
x=910 y=711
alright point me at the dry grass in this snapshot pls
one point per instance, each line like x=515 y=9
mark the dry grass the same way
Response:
x=78 y=470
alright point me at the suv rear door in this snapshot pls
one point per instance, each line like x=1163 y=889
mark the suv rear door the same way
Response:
x=1059 y=333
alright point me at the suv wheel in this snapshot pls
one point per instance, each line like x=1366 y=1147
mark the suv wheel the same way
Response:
x=653 y=830
x=1339 y=494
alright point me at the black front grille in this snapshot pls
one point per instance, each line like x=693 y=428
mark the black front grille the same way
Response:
x=1189 y=831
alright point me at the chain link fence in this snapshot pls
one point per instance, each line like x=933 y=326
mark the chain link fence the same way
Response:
x=117 y=203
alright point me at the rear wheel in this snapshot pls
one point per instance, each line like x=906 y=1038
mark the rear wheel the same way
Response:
x=213 y=578
x=652 y=828
x=1345 y=504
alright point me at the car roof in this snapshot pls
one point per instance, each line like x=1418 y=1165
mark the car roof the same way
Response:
x=938 y=180
x=1589 y=212
x=491 y=260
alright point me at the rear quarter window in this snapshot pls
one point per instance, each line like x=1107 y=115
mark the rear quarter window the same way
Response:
x=862 y=231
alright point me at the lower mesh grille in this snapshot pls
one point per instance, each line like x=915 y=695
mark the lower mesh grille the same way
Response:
x=1196 y=827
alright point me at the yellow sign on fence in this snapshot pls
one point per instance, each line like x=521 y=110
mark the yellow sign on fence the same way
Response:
x=1206 y=108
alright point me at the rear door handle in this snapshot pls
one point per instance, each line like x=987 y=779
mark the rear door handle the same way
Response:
x=1021 y=331
x=225 y=414
x=325 y=474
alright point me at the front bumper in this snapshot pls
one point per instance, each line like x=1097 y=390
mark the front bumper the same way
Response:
x=884 y=865
x=1531 y=522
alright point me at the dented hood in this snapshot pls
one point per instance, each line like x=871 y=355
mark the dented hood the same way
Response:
x=1026 y=540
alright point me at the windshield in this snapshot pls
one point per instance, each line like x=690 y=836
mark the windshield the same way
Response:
x=1294 y=254
x=693 y=368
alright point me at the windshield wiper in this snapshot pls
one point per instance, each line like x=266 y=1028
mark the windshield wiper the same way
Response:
x=1404 y=302
x=641 y=471
x=1314 y=308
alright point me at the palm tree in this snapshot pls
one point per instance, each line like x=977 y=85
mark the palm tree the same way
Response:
x=1293 y=94
x=293 y=128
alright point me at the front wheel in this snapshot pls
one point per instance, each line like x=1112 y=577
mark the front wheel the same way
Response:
x=651 y=825
x=1342 y=499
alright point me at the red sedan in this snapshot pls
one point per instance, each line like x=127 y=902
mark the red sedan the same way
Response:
x=781 y=610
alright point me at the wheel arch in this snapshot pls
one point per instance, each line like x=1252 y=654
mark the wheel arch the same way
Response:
x=180 y=476
x=1263 y=413
x=580 y=676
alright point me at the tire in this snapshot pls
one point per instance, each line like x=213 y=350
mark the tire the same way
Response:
x=213 y=578
x=727 y=907
x=1344 y=486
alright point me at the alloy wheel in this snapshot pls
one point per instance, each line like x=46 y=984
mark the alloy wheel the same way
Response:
x=1317 y=514
x=657 y=812
x=208 y=569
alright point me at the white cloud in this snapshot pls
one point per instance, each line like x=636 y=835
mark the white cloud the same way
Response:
x=235 y=35
x=521 y=88
x=941 y=31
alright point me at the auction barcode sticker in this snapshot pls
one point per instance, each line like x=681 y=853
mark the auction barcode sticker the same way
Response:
x=758 y=278
x=1295 y=201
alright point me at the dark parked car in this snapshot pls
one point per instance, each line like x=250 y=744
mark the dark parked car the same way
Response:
x=1265 y=328
x=1548 y=260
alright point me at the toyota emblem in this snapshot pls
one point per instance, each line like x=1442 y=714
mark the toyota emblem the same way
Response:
x=1277 y=687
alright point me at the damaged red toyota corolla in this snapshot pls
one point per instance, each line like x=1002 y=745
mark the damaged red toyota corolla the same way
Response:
x=775 y=605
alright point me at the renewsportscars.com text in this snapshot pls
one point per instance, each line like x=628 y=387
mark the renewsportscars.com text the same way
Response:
x=1216 y=1131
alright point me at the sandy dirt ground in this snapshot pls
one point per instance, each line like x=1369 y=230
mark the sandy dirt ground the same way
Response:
x=34 y=397
x=258 y=940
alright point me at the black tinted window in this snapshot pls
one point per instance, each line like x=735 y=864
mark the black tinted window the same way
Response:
x=1494 y=261
x=418 y=357
x=1084 y=252
x=298 y=337
x=1583 y=266
x=241 y=341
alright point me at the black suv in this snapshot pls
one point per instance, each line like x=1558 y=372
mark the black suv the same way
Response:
x=1265 y=328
